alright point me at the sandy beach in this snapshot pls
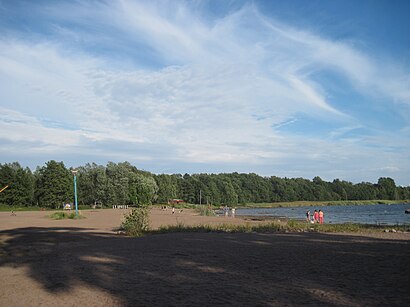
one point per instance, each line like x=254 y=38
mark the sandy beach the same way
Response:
x=85 y=262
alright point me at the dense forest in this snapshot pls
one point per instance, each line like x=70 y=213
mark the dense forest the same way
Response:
x=122 y=183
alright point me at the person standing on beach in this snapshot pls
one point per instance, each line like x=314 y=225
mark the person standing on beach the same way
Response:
x=316 y=216
x=321 y=216
x=308 y=216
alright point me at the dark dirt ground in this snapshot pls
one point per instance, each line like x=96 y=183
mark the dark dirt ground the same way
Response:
x=68 y=266
x=85 y=263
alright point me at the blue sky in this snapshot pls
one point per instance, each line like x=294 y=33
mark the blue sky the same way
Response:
x=285 y=88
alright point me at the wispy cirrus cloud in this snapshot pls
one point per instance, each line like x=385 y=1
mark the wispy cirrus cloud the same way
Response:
x=179 y=87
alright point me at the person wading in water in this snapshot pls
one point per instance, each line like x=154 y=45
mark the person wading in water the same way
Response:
x=321 y=217
x=316 y=217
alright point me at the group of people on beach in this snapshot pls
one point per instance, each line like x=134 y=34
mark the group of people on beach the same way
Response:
x=226 y=210
x=318 y=217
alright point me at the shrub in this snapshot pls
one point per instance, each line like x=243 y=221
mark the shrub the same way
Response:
x=136 y=223
x=65 y=215
x=204 y=210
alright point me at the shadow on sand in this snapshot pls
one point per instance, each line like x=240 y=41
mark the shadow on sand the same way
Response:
x=205 y=269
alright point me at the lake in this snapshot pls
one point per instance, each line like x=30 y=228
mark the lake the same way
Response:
x=360 y=214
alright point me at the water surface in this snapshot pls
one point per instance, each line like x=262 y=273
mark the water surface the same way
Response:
x=360 y=214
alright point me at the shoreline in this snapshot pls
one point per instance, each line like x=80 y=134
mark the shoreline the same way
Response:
x=109 y=220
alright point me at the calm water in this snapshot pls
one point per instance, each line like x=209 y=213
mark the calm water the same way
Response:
x=365 y=214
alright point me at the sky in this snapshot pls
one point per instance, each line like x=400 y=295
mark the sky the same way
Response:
x=278 y=88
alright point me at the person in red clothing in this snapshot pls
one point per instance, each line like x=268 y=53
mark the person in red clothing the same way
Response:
x=316 y=216
x=321 y=216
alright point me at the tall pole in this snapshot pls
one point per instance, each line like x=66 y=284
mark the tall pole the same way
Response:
x=75 y=191
x=200 y=197
x=4 y=188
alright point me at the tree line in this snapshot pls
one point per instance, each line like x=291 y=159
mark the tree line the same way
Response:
x=52 y=185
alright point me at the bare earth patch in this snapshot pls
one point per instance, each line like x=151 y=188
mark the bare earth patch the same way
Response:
x=84 y=262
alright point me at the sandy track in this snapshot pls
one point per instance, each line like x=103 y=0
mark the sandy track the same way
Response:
x=82 y=262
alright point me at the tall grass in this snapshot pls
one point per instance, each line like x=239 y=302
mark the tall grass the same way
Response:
x=224 y=228
x=274 y=227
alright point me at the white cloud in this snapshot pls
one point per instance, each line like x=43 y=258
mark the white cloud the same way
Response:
x=223 y=90
x=19 y=127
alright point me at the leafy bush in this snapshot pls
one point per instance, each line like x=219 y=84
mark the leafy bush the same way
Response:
x=136 y=223
x=65 y=215
x=204 y=210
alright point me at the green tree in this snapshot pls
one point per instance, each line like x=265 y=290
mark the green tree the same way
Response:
x=21 y=185
x=228 y=194
x=117 y=184
x=54 y=185
x=387 y=188
x=363 y=191
x=92 y=183
x=188 y=189
x=146 y=189
x=167 y=187
x=122 y=183
x=210 y=192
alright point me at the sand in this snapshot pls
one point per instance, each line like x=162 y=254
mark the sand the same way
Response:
x=84 y=262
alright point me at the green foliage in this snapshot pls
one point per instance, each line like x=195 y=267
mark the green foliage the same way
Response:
x=273 y=227
x=54 y=185
x=167 y=187
x=65 y=215
x=387 y=188
x=128 y=185
x=136 y=223
x=204 y=210
x=21 y=185
x=145 y=188
x=92 y=183
x=117 y=184
x=123 y=184
x=180 y=227
x=230 y=228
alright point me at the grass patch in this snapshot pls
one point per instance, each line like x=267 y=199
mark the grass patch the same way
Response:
x=275 y=227
x=223 y=228
x=180 y=227
x=66 y=215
